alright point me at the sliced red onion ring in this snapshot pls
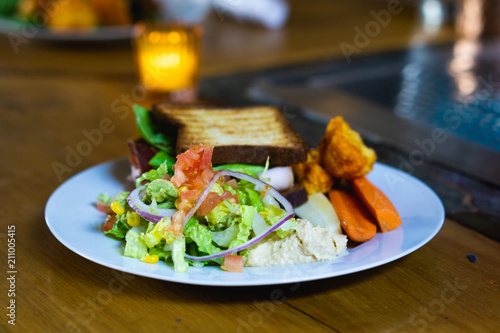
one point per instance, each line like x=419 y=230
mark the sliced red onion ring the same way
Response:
x=281 y=199
x=134 y=200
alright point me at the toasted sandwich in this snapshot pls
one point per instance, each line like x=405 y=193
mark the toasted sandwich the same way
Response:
x=246 y=135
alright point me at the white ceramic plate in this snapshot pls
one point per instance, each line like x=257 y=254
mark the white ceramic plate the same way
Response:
x=73 y=219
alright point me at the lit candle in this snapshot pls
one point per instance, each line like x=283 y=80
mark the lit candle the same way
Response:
x=168 y=57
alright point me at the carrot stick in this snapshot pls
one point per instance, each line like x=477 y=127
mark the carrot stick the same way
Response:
x=354 y=219
x=377 y=203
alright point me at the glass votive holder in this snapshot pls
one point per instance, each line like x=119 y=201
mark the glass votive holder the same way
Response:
x=168 y=59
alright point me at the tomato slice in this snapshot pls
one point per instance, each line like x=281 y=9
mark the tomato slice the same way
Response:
x=233 y=263
x=229 y=196
x=210 y=202
x=110 y=222
x=189 y=195
x=103 y=208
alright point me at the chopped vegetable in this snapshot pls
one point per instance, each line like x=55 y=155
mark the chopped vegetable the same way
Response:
x=281 y=178
x=233 y=263
x=151 y=175
x=354 y=219
x=110 y=222
x=151 y=259
x=162 y=157
x=134 y=246
x=319 y=211
x=312 y=175
x=117 y=208
x=249 y=169
x=286 y=205
x=377 y=203
x=149 y=213
x=148 y=131
x=104 y=203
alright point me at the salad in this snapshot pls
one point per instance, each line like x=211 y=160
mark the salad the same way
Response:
x=186 y=212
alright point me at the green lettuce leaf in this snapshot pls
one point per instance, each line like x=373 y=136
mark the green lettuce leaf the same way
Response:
x=150 y=133
x=224 y=237
x=163 y=252
x=156 y=234
x=178 y=252
x=222 y=214
x=201 y=235
x=152 y=174
x=120 y=228
x=245 y=226
x=272 y=214
x=163 y=157
x=252 y=170
x=134 y=246
x=254 y=198
x=104 y=198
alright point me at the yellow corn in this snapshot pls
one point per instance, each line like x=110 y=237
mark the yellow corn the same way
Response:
x=152 y=259
x=177 y=203
x=181 y=189
x=117 y=207
x=133 y=219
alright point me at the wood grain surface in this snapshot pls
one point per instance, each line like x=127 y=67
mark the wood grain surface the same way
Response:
x=51 y=93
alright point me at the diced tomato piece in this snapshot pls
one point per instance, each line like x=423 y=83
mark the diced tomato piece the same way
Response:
x=178 y=178
x=185 y=205
x=206 y=159
x=192 y=155
x=210 y=202
x=229 y=196
x=177 y=223
x=207 y=175
x=110 y=222
x=233 y=263
x=103 y=208
x=175 y=229
x=190 y=195
x=191 y=164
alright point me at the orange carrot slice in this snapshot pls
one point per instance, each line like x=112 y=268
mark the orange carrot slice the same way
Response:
x=354 y=218
x=377 y=203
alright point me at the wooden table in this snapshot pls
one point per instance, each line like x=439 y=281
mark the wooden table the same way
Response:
x=50 y=94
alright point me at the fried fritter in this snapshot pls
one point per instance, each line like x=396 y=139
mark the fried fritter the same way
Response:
x=343 y=153
x=312 y=175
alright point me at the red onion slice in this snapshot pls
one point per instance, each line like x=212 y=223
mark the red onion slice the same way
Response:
x=134 y=200
x=281 y=199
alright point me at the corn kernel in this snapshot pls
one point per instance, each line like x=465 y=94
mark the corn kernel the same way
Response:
x=177 y=203
x=181 y=189
x=185 y=205
x=133 y=219
x=117 y=207
x=152 y=259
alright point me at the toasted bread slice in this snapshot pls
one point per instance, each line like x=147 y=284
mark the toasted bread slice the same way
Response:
x=239 y=135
